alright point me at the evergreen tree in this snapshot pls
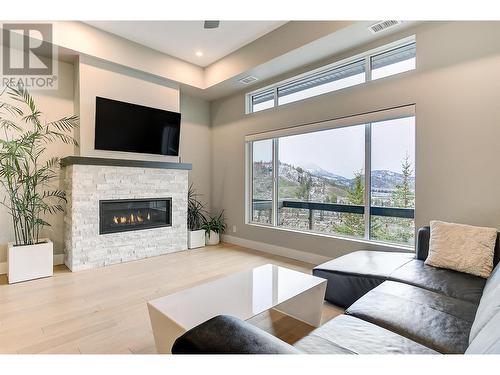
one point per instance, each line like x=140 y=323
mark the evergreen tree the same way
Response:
x=356 y=195
x=332 y=198
x=353 y=224
x=403 y=197
x=397 y=229
x=305 y=185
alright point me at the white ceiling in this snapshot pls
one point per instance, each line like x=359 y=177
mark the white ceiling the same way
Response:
x=182 y=39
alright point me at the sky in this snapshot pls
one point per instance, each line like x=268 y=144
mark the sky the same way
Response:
x=341 y=151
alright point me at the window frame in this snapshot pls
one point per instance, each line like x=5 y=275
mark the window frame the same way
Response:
x=366 y=56
x=364 y=119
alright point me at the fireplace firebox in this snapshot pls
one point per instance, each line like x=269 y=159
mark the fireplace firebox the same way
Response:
x=121 y=215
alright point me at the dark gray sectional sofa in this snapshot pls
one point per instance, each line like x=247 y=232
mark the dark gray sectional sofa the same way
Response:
x=394 y=304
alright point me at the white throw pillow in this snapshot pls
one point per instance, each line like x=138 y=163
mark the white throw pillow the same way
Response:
x=463 y=248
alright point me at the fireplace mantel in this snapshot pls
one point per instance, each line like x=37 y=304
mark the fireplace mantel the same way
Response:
x=83 y=160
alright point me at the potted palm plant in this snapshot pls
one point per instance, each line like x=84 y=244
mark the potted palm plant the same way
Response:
x=27 y=176
x=214 y=226
x=196 y=218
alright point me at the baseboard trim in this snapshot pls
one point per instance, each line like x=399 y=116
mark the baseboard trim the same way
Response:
x=58 y=259
x=277 y=250
x=260 y=246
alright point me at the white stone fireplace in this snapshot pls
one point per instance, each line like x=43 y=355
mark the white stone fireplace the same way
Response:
x=123 y=210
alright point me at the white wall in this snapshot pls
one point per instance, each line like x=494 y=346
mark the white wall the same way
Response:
x=54 y=104
x=455 y=88
x=196 y=144
x=97 y=78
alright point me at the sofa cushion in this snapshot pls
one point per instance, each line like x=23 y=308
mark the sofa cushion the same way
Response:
x=422 y=248
x=489 y=305
x=487 y=340
x=349 y=335
x=463 y=248
x=450 y=283
x=352 y=275
x=434 y=320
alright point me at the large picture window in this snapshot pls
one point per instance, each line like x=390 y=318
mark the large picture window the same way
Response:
x=356 y=180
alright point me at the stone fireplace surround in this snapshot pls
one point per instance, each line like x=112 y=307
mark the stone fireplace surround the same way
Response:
x=88 y=181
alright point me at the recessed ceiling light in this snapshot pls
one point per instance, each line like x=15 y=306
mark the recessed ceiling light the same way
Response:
x=199 y=53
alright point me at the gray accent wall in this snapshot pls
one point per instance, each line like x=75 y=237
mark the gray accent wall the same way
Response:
x=456 y=90
x=196 y=146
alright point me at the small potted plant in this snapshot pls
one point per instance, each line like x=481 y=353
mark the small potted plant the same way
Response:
x=214 y=227
x=27 y=176
x=196 y=218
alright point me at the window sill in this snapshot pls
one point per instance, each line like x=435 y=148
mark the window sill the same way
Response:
x=390 y=246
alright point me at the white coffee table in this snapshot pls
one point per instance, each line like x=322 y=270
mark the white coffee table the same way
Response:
x=243 y=295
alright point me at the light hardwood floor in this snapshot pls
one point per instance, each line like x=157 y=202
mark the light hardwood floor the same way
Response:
x=104 y=310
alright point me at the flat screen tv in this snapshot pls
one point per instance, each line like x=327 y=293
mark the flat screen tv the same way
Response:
x=121 y=126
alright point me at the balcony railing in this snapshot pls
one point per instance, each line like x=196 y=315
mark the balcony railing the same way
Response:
x=406 y=213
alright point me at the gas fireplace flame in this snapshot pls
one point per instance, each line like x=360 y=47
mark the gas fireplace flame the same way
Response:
x=132 y=218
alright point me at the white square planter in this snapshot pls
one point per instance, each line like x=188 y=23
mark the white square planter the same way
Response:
x=196 y=238
x=30 y=261
x=213 y=239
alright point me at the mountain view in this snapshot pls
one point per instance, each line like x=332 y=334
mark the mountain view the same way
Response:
x=325 y=186
x=314 y=184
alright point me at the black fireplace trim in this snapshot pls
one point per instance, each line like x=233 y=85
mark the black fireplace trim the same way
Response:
x=143 y=227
